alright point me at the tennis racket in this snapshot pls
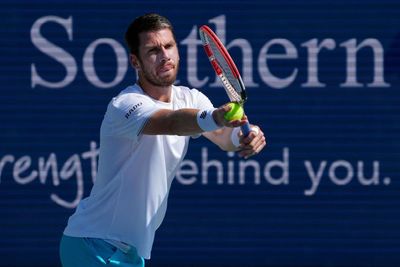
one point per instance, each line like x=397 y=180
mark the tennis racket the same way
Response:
x=225 y=69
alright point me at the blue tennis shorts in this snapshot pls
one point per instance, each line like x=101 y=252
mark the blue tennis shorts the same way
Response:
x=93 y=252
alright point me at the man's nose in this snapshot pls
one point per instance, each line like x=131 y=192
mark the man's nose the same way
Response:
x=164 y=55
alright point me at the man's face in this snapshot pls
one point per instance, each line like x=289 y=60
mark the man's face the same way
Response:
x=158 y=59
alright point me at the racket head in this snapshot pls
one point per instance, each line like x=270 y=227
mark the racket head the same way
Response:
x=223 y=65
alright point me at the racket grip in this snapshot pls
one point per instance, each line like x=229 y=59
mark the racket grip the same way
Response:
x=246 y=129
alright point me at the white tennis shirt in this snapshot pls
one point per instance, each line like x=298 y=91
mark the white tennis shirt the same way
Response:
x=129 y=198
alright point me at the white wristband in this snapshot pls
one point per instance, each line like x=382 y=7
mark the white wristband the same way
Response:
x=255 y=130
x=206 y=121
x=235 y=137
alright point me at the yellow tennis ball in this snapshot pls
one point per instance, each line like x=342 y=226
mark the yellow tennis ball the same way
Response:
x=236 y=112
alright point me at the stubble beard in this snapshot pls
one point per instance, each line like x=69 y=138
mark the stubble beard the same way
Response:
x=160 y=81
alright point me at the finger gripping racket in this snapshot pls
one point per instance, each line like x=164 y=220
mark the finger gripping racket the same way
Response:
x=225 y=69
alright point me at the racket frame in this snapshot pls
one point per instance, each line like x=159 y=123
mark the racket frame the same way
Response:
x=229 y=87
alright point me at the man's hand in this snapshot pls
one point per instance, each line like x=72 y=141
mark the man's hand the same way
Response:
x=219 y=118
x=251 y=144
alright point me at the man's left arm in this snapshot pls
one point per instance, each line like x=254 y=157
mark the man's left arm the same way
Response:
x=229 y=139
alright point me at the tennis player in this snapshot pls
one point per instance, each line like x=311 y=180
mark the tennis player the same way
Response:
x=143 y=139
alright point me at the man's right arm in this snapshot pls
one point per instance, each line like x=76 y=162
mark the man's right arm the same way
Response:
x=183 y=121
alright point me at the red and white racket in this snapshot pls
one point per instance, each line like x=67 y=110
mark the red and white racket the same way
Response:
x=225 y=68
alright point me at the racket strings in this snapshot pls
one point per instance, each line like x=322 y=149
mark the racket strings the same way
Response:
x=232 y=94
x=231 y=84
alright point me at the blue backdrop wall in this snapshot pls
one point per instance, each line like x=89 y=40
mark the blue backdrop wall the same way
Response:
x=323 y=83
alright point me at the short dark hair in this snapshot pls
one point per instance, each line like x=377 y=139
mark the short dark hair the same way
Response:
x=145 y=23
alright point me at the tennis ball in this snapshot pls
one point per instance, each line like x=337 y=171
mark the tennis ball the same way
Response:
x=236 y=112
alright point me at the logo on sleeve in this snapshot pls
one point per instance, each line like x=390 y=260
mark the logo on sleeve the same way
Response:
x=130 y=111
x=203 y=114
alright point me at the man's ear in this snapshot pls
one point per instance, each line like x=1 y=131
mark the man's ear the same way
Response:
x=133 y=59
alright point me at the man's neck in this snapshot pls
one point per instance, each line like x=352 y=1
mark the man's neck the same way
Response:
x=160 y=93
